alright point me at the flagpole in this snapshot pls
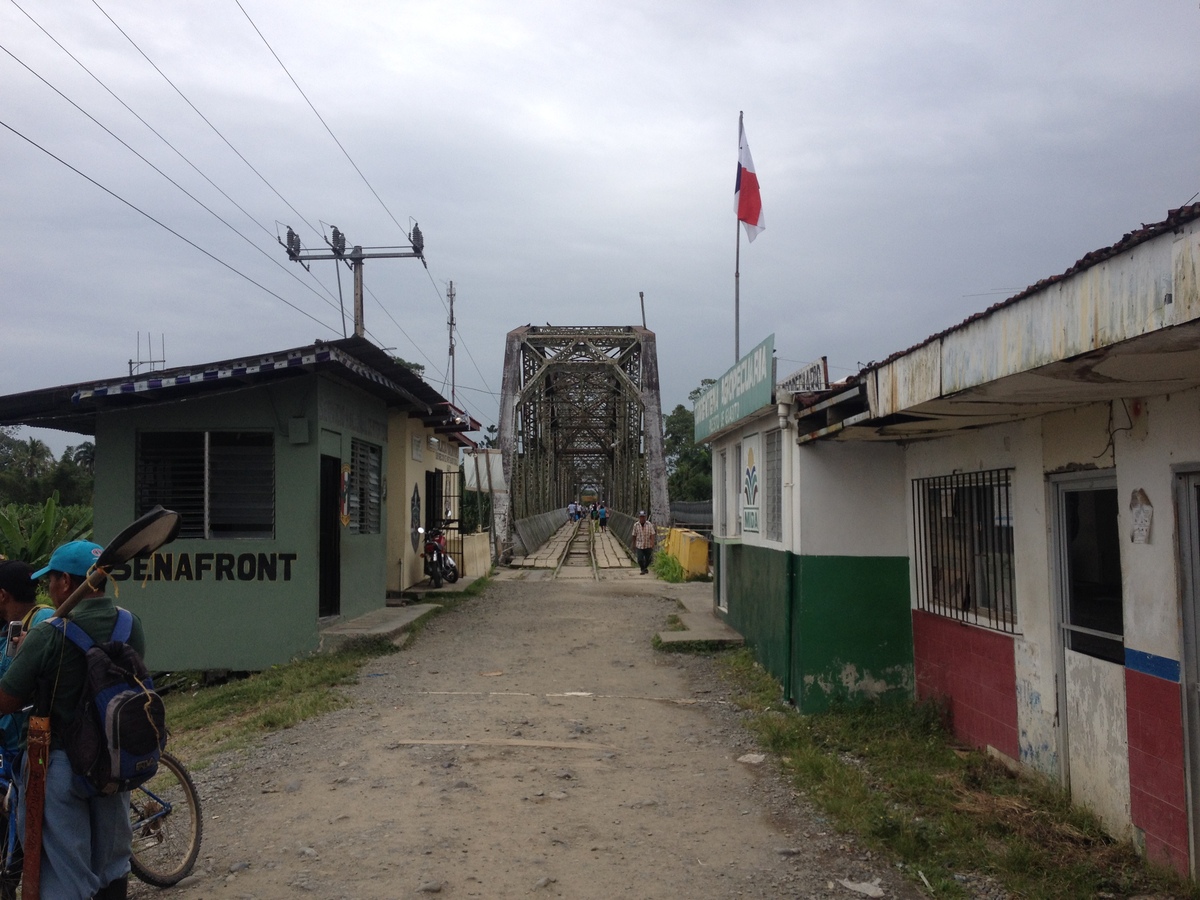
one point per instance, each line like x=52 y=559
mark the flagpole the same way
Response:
x=737 y=277
x=737 y=263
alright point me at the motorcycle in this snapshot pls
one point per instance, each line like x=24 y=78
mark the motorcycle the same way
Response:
x=439 y=565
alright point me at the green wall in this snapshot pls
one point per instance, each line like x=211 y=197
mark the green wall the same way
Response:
x=830 y=628
x=854 y=629
x=211 y=623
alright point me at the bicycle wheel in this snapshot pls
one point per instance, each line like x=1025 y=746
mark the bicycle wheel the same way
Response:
x=167 y=825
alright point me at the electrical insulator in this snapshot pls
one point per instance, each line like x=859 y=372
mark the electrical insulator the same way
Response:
x=418 y=240
x=339 y=242
x=293 y=243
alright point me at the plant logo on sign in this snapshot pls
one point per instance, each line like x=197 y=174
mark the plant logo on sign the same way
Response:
x=751 y=480
x=750 y=489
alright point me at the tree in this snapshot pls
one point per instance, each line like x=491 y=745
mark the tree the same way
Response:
x=29 y=474
x=33 y=458
x=697 y=392
x=689 y=465
x=416 y=367
x=83 y=456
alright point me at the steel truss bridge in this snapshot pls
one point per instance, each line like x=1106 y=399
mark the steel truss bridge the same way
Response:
x=580 y=410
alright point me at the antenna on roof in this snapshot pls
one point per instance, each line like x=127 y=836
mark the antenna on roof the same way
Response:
x=150 y=363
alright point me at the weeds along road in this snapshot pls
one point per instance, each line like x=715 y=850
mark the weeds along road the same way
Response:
x=530 y=741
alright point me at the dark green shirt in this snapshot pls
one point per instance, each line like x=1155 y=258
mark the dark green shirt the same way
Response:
x=47 y=654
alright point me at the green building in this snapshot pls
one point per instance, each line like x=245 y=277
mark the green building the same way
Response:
x=809 y=553
x=280 y=466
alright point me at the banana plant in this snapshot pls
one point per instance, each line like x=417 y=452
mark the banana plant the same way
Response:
x=31 y=533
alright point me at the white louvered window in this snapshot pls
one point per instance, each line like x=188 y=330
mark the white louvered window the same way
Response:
x=366 y=487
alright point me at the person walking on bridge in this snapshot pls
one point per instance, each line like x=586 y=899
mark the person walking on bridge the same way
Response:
x=644 y=538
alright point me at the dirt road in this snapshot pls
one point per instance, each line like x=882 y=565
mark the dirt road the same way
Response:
x=529 y=742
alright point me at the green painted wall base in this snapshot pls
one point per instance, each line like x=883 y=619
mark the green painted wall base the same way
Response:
x=832 y=629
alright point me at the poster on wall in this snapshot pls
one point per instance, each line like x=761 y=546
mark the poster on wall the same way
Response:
x=751 y=453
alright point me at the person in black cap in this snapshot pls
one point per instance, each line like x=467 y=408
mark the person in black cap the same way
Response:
x=18 y=603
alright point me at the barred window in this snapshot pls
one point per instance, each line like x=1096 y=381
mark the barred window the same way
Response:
x=222 y=483
x=964 y=547
x=772 y=504
x=366 y=487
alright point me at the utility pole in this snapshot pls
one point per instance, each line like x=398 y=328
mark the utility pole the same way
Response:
x=354 y=259
x=451 y=323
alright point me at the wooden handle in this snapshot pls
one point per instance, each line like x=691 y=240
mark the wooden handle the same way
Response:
x=37 y=757
x=64 y=609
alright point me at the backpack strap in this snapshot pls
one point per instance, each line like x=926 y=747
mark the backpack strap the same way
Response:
x=77 y=635
x=121 y=630
x=124 y=626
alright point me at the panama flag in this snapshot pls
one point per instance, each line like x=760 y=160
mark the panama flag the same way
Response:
x=746 y=200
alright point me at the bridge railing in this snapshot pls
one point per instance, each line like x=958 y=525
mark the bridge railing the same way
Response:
x=621 y=525
x=530 y=533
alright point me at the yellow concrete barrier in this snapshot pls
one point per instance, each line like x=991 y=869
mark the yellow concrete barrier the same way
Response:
x=691 y=549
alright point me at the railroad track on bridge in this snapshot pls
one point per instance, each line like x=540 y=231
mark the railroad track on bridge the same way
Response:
x=579 y=553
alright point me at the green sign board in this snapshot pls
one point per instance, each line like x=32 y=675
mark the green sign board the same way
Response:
x=745 y=389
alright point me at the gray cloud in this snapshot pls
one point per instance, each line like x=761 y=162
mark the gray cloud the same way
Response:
x=919 y=160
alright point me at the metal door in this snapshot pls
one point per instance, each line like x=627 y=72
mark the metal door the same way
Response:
x=329 y=564
x=1094 y=743
x=443 y=495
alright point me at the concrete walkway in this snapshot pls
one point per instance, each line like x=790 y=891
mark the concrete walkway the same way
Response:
x=699 y=620
x=392 y=622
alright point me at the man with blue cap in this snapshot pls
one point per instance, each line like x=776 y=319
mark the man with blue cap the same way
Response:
x=85 y=840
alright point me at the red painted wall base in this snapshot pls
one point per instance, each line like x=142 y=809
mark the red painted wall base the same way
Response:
x=974 y=672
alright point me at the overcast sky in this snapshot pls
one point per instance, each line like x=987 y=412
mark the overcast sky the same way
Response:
x=919 y=161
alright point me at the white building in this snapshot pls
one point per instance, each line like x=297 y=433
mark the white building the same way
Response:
x=1025 y=486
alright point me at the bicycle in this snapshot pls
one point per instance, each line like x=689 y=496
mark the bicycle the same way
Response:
x=167 y=824
x=164 y=815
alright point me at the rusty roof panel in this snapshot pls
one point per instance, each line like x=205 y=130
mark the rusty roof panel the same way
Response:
x=1175 y=221
x=906 y=382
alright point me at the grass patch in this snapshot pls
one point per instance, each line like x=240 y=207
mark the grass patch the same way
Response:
x=674 y=623
x=893 y=775
x=208 y=720
x=668 y=568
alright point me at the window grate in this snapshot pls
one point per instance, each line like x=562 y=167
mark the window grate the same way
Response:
x=963 y=527
x=773 y=485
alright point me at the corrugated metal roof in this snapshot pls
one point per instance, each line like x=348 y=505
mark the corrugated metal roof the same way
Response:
x=73 y=407
x=1175 y=218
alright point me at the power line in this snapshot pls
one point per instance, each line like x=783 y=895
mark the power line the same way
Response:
x=173 y=182
x=162 y=225
x=317 y=114
x=203 y=117
x=163 y=138
x=132 y=112
x=375 y=193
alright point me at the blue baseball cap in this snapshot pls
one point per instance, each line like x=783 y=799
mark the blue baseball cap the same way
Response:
x=74 y=558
